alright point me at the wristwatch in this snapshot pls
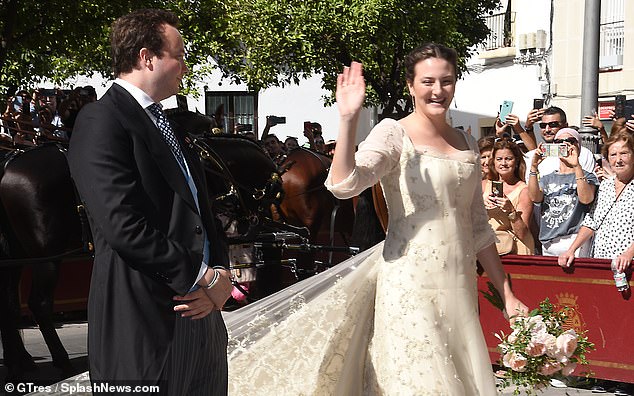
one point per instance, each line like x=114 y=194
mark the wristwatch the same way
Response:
x=514 y=215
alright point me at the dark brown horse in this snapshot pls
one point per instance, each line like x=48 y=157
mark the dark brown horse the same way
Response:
x=37 y=219
x=308 y=203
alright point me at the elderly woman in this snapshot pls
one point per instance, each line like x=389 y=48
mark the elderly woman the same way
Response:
x=611 y=220
x=510 y=212
x=564 y=196
x=485 y=146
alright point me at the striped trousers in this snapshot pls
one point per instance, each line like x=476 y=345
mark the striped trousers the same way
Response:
x=197 y=360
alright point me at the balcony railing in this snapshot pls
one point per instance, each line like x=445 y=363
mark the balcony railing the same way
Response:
x=496 y=24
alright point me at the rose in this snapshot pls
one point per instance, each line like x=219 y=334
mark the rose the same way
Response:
x=569 y=368
x=537 y=324
x=550 y=368
x=513 y=336
x=567 y=342
x=535 y=348
x=548 y=341
x=515 y=361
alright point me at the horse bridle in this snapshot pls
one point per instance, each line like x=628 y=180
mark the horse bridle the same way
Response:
x=213 y=161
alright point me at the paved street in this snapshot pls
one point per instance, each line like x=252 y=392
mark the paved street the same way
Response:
x=73 y=335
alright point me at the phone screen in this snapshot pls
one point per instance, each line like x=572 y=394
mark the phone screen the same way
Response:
x=538 y=103
x=554 y=150
x=497 y=189
x=628 y=110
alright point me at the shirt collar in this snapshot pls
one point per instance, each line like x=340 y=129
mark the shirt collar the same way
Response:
x=137 y=93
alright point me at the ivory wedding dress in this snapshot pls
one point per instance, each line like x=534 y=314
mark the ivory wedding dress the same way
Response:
x=399 y=319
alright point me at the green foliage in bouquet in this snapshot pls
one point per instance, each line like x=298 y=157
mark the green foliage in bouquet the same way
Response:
x=540 y=347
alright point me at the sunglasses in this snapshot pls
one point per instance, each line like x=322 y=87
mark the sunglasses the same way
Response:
x=552 y=124
x=570 y=140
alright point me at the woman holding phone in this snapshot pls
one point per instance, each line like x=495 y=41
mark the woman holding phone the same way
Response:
x=506 y=200
x=564 y=196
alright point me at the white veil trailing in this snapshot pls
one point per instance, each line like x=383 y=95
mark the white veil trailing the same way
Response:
x=253 y=321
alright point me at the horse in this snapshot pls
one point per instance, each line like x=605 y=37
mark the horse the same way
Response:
x=38 y=219
x=309 y=204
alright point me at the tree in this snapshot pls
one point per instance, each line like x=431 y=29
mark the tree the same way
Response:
x=272 y=43
x=56 y=39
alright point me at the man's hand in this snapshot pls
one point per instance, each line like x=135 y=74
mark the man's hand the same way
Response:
x=592 y=121
x=533 y=116
x=221 y=291
x=196 y=305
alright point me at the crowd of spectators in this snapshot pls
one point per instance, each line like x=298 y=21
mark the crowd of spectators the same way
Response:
x=277 y=149
x=567 y=189
x=562 y=186
x=42 y=114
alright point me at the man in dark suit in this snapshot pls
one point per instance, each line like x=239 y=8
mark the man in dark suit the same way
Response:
x=159 y=278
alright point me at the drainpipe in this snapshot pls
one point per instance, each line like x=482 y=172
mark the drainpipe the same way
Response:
x=590 y=72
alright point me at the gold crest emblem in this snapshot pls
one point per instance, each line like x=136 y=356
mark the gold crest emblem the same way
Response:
x=575 y=318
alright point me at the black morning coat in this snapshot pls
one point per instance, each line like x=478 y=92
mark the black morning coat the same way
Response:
x=147 y=234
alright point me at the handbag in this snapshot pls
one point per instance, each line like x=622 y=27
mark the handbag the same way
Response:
x=508 y=243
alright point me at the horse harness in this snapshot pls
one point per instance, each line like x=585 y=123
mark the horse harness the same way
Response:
x=270 y=194
x=9 y=155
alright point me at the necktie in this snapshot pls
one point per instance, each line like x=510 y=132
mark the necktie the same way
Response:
x=167 y=133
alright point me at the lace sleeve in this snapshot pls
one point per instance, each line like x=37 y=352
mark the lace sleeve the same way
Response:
x=376 y=157
x=483 y=235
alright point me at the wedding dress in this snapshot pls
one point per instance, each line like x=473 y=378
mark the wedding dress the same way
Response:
x=399 y=319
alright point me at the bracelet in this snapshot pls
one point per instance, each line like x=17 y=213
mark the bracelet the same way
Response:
x=582 y=178
x=531 y=173
x=214 y=280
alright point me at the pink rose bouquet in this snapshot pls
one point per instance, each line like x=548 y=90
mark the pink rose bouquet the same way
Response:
x=540 y=347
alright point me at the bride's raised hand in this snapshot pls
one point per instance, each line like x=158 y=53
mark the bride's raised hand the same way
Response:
x=350 y=90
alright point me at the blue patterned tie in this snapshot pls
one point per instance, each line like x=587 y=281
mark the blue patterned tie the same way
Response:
x=167 y=133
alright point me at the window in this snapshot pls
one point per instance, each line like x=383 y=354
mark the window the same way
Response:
x=234 y=111
x=612 y=34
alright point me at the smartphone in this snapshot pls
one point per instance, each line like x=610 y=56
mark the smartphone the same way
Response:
x=619 y=106
x=538 y=104
x=505 y=109
x=308 y=126
x=497 y=188
x=554 y=150
x=598 y=158
x=628 y=110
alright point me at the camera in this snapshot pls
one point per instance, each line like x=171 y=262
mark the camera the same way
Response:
x=239 y=128
x=554 y=150
x=275 y=120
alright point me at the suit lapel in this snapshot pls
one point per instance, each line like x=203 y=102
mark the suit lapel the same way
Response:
x=139 y=123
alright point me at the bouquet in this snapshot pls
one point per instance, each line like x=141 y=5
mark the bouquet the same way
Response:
x=540 y=347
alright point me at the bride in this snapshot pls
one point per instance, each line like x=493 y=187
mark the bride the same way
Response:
x=401 y=318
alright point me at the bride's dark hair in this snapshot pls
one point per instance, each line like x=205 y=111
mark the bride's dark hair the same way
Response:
x=426 y=51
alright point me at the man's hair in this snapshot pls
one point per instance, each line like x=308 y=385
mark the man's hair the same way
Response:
x=270 y=135
x=556 y=110
x=139 y=29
